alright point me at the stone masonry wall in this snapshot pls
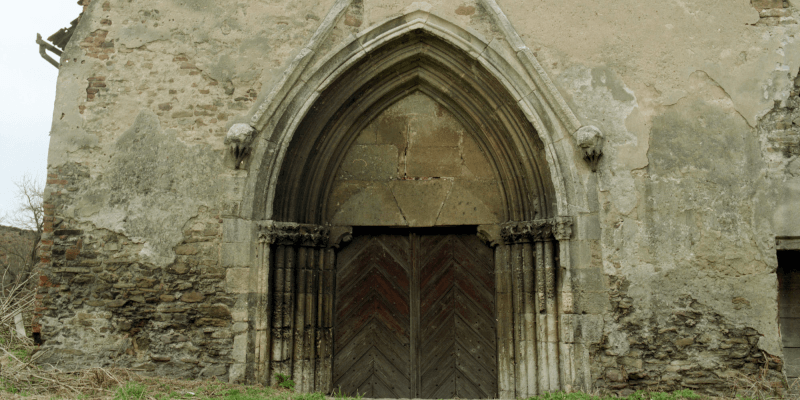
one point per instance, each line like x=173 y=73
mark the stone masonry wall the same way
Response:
x=171 y=320
x=149 y=260
x=16 y=246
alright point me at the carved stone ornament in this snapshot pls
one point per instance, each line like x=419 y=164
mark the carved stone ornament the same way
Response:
x=590 y=140
x=238 y=140
x=563 y=228
x=527 y=231
x=339 y=235
x=294 y=234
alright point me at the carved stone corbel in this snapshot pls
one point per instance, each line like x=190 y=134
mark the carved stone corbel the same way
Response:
x=339 y=235
x=490 y=234
x=238 y=140
x=590 y=140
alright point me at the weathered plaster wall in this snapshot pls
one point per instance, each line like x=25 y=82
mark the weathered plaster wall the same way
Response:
x=673 y=262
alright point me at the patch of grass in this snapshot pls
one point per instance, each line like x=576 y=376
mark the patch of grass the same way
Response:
x=8 y=386
x=284 y=381
x=339 y=395
x=131 y=391
x=685 y=394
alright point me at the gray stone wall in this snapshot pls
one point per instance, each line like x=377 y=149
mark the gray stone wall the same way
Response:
x=151 y=254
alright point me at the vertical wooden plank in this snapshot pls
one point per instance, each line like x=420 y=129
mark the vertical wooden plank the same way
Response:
x=414 y=310
x=541 y=321
x=521 y=349
x=277 y=312
x=528 y=261
x=552 y=323
x=505 y=322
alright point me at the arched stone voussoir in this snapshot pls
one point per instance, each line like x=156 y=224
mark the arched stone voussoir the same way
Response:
x=287 y=104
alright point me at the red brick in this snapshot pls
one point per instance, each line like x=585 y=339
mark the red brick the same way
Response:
x=72 y=254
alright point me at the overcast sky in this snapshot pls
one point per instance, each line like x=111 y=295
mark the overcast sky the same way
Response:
x=27 y=89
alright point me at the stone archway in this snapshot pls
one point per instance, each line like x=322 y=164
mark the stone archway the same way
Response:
x=294 y=189
x=409 y=186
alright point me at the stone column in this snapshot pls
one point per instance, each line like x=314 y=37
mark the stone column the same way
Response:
x=530 y=297
x=300 y=263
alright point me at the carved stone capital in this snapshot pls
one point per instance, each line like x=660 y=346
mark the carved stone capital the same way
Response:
x=238 y=139
x=590 y=140
x=490 y=234
x=527 y=231
x=562 y=230
x=339 y=235
x=294 y=234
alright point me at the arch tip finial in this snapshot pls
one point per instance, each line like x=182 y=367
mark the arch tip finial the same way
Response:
x=590 y=139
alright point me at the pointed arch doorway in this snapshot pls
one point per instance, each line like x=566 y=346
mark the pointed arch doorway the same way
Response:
x=474 y=163
x=414 y=307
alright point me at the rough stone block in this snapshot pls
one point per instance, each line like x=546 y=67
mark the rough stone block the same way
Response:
x=236 y=373
x=591 y=302
x=433 y=162
x=471 y=202
x=235 y=254
x=421 y=201
x=476 y=165
x=236 y=230
x=364 y=203
x=433 y=131
x=237 y=280
x=763 y=4
x=589 y=226
x=239 y=353
x=369 y=162
x=792 y=360
x=590 y=279
x=239 y=327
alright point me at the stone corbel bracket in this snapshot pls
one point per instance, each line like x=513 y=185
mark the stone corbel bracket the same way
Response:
x=590 y=140
x=239 y=140
x=340 y=235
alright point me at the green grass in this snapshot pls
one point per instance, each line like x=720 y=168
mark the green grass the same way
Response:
x=685 y=394
x=131 y=391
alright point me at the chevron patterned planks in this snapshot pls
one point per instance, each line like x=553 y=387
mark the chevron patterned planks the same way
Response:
x=371 y=344
x=445 y=283
x=458 y=340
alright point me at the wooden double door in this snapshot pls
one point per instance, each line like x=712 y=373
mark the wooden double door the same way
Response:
x=415 y=315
